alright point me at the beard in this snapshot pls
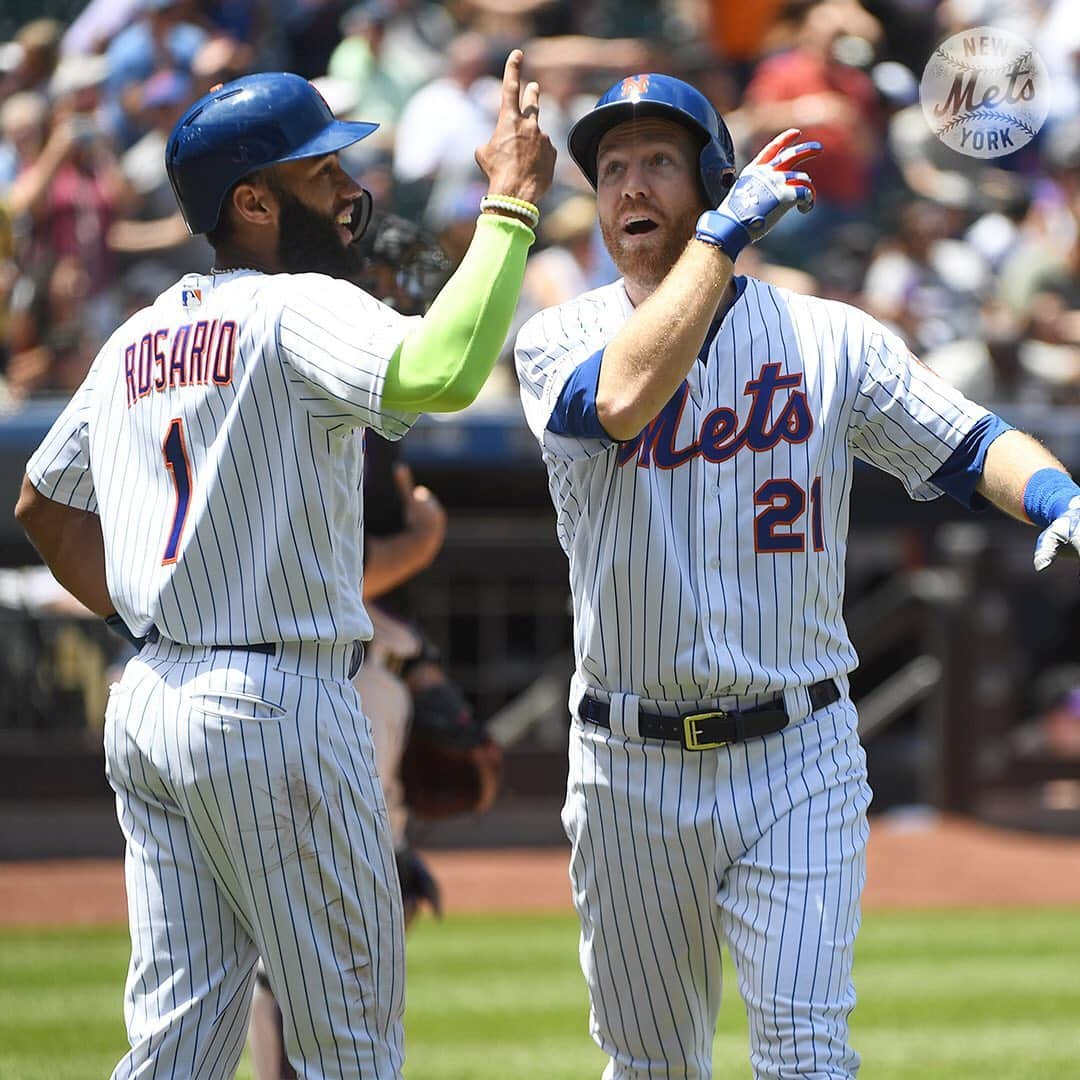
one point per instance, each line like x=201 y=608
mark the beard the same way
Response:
x=648 y=263
x=309 y=242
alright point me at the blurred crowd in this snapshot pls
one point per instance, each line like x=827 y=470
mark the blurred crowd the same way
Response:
x=975 y=262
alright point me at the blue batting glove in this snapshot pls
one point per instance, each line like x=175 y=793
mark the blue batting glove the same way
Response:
x=766 y=190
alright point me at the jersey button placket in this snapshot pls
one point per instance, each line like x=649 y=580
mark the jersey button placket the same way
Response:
x=705 y=545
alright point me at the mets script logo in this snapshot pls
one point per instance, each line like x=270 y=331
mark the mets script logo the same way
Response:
x=634 y=86
x=985 y=92
x=720 y=436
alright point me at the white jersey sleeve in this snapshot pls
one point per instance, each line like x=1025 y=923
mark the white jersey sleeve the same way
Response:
x=59 y=468
x=906 y=420
x=339 y=340
x=549 y=349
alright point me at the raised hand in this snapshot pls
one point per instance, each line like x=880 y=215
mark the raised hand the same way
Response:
x=518 y=159
x=766 y=190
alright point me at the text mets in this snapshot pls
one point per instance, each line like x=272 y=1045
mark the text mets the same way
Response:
x=720 y=438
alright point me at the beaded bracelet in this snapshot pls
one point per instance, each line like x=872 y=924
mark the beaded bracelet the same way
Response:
x=523 y=209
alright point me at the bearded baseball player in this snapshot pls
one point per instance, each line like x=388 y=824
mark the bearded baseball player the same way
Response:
x=202 y=491
x=699 y=430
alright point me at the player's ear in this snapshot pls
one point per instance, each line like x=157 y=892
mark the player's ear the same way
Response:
x=254 y=200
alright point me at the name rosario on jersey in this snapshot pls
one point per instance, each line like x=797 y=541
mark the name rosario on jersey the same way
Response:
x=197 y=353
x=720 y=438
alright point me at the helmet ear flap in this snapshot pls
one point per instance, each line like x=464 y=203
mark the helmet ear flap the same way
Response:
x=361 y=214
x=717 y=172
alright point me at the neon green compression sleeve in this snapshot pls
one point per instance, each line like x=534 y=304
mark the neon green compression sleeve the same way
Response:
x=441 y=365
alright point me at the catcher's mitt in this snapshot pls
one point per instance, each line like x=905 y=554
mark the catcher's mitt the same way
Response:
x=450 y=765
x=399 y=263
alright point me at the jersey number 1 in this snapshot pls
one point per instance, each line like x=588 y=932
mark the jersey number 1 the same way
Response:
x=176 y=461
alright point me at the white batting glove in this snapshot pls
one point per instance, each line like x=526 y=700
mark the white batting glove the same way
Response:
x=1061 y=537
x=764 y=192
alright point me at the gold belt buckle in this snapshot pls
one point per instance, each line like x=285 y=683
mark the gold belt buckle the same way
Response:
x=692 y=731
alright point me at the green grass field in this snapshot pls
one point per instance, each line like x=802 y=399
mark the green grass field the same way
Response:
x=942 y=996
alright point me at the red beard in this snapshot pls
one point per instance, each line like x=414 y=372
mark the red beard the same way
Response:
x=647 y=260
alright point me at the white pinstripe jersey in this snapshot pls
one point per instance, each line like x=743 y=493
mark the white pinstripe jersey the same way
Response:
x=216 y=434
x=707 y=556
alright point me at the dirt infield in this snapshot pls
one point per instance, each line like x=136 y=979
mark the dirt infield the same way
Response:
x=919 y=863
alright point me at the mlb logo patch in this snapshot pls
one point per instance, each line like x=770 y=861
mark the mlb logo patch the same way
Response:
x=634 y=86
x=190 y=297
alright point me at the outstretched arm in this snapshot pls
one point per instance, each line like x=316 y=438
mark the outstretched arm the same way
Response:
x=1022 y=478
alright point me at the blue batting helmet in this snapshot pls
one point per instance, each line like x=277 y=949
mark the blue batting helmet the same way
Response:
x=245 y=125
x=668 y=98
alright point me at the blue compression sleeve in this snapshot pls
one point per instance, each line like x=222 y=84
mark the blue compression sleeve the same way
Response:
x=575 y=411
x=960 y=474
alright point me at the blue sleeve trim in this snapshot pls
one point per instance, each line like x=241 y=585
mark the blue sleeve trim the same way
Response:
x=575 y=411
x=960 y=474
x=1047 y=495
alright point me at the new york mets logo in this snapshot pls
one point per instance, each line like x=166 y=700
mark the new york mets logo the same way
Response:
x=720 y=437
x=633 y=86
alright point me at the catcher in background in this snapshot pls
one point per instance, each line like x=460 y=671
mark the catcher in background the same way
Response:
x=434 y=758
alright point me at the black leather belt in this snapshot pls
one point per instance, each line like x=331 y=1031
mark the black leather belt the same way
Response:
x=714 y=727
x=269 y=648
x=266 y=647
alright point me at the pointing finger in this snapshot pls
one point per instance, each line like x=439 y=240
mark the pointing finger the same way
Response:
x=511 y=85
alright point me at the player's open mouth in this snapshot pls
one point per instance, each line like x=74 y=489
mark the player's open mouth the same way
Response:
x=639 y=226
x=344 y=222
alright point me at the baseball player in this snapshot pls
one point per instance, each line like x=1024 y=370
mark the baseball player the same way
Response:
x=201 y=491
x=699 y=430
